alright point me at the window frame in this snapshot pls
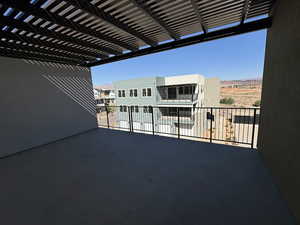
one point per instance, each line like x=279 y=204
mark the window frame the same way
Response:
x=144 y=89
x=146 y=92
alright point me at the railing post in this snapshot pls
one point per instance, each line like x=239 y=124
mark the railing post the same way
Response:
x=152 y=120
x=211 y=116
x=178 y=122
x=106 y=109
x=253 y=129
x=129 y=118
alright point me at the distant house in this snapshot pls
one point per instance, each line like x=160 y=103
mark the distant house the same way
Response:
x=96 y=93
x=104 y=96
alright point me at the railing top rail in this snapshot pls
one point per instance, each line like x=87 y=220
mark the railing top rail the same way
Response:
x=206 y=107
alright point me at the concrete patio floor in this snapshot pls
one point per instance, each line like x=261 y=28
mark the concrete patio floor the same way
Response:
x=113 y=177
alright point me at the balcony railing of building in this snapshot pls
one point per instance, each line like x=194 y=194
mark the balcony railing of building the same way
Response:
x=189 y=98
x=233 y=126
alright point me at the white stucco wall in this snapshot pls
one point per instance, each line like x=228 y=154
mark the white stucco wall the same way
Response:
x=184 y=79
x=42 y=102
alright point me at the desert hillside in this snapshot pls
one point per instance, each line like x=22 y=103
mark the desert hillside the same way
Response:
x=244 y=92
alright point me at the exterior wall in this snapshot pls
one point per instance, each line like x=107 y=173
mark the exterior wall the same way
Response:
x=42 y=102
x=280 y=119
x=140 y=100
x=184 y=79
x=212 y=92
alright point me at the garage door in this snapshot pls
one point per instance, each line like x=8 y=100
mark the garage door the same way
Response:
x=165 y=128
x=186 y=130
x=124 y=124
x=136 y=126
x=148 y=127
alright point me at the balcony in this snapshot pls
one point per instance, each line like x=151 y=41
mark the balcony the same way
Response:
x=172 y=96
x=113 y=177
x=179 y=100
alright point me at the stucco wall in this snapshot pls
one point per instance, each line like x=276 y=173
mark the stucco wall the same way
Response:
x=42 y=102
x=280 y=120
x=139 y=84
x=184 y=79
x=212 y=92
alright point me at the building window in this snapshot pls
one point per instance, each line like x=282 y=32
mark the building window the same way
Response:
x=133 y=92
x=121 y=108
x=123 y=93
x=148 y=91
x=132 y=109
x=124 y=108
x=119 y=94
x=186 y=90
x=136 y=109
x=181 y=90
x=145 y=109
x=173 y=111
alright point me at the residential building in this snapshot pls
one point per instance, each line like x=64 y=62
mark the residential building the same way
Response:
x=96 y=93
x=168 y=94
x=104 y=96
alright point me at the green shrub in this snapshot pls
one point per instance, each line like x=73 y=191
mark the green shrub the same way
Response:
x=227 y=101
x=256 y=103
x=110 y=109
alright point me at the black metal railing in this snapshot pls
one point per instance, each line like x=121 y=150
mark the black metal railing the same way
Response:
x=235 y=126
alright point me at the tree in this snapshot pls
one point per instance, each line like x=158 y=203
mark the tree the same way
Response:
x=257 y=103
x=227 y=101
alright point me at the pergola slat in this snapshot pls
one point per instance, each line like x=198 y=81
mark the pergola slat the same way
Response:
x=195 y=7
x=45 y=32
x=88 y=7
x=33 y=56
x=140 y=4
x=48 y=44
x=12 y=42
x=56 y=19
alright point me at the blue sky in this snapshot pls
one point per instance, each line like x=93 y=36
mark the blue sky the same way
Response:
x=237 y=57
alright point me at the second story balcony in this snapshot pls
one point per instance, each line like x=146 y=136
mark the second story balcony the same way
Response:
x=177 y=95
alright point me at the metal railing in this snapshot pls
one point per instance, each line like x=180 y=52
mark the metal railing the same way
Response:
x=235 y=126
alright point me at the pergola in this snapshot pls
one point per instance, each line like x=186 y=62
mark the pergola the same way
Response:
x=90 y=33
